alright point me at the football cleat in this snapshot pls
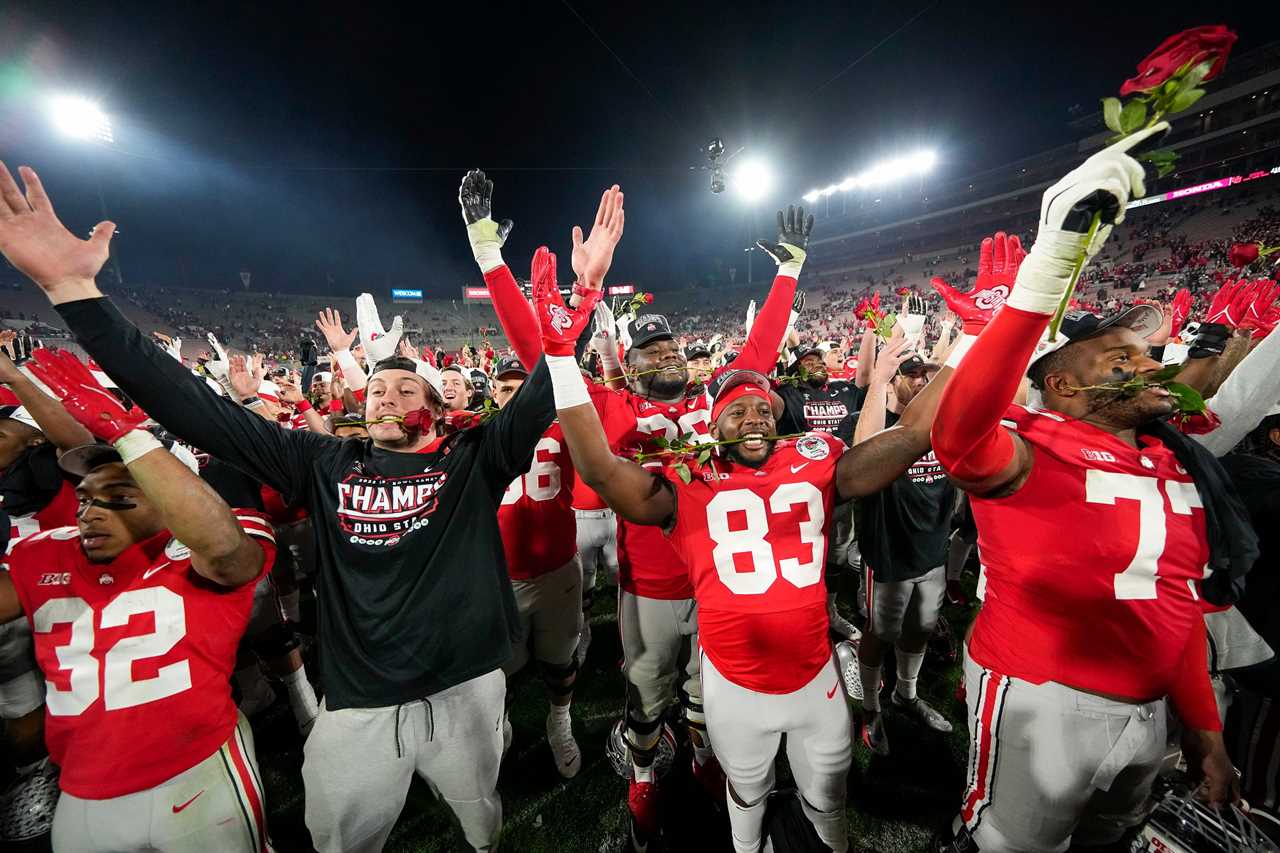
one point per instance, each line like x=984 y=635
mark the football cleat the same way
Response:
x=26 y=808
x=710 y=775
x=563 y=747
x=840 y=626
x=847 y=661
x=922 y=711
x=645 y=804
x=874 y=736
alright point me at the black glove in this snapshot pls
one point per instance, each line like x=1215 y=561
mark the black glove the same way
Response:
x=476 y=198
x=794 y=229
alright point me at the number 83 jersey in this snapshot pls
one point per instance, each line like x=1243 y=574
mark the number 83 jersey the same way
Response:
x=137 y=654
x=1093 y=565
x=755 y=543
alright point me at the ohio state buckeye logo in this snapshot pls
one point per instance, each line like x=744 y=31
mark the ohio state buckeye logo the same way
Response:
x=561 y=319
x=992 y=298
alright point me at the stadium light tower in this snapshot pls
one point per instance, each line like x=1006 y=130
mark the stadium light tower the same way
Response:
x=753 y=180
x=80 y=118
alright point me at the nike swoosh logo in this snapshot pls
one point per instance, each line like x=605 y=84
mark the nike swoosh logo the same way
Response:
x=148 y=573
x=177 y=809
x=796 y=468
x=832 y=691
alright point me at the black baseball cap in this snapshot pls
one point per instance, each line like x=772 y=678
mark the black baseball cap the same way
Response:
x=806 y=351
x=1078 y=325
x=697 y=350
x=915 y=364
x=509 y=365
x=647 y=328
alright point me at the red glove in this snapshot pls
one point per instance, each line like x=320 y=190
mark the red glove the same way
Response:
x=561 y=326
x=998 y=262
x=1262 y=313
x=1181 y=308
x=1230 y=304
x=96 y=408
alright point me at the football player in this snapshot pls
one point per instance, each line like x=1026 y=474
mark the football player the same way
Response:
x=136 y=613
x=1096 y=521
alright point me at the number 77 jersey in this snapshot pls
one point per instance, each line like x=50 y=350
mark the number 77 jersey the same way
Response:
x=137 y=654
x=1093 y=565
x=755 y=543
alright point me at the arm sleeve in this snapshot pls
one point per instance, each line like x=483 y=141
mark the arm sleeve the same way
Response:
x=1192 y=693
x=1245 y=397
x=514 y=314
x=967 y=437
x=760 y=352
x=186 y=406
x=509 y=439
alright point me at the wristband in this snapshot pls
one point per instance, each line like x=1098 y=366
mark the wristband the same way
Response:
x=347 y=361
x=135 y=444
x=486 y=247
x=567 y=384
x=302 y=406
x=582 y=291
x=963 y=343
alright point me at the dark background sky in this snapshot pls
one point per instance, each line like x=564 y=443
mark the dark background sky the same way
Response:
x=267 y=138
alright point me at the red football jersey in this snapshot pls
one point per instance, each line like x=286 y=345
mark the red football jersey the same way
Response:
x=59 y=512
x=585 y=497
x=137 y=656
x=1092 y=566
x=539 y=529
x=647 y=564
x=756 y=543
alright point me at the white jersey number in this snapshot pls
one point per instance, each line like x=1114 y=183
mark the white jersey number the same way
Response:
x=751 y=538
x=1138 y=580
x=542 y=482
x=117 y=686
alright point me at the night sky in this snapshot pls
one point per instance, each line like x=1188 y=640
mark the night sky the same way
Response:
x=308 y=146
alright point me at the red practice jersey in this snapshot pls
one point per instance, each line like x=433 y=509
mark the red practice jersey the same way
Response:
x=755 y=539
x=1093 y=566
x=539 y=529
x=137 y=655
x=647 y=564
x=59 y=512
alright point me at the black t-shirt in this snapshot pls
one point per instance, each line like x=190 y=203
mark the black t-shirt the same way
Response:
x=412 y=582
x=832 y=408
x=903 y=530
x=1257 y=479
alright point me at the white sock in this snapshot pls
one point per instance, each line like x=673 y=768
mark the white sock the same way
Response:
x=302 y=698
x=870 y=676
x=289 y=601
x=746 y=824
x=908 y=672
x=255 y=693
x=645 y=742
x=560 y=712
x=832 y=827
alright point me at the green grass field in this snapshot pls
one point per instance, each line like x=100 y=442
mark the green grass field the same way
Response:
x=895 y=804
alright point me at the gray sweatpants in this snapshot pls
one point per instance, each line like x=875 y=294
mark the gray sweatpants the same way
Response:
x=358 y=763
x=659 y=648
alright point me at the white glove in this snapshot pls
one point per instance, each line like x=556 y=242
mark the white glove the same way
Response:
x=912 y=320
x=217 y=369
x=624 y=336
x=378 y=343
x=605 y=338
x=1102 y=184
x=751 y=316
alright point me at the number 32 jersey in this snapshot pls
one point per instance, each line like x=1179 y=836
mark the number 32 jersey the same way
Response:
x=137 y=655
x=755 y=543
x=1092 y=566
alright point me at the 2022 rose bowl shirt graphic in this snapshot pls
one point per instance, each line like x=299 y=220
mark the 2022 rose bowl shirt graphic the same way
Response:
x=381 y=510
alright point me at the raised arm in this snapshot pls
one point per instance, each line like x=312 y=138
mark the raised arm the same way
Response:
x=63 y=266
x=62 y=430
x=871 y=417
x=191 y=510
x=760 y=352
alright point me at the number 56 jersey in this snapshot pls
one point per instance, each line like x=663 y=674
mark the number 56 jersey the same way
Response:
x=755 y=543
x=1092 y=566
x=137 y=654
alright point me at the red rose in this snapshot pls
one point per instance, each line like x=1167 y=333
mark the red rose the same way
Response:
x=1189 y=47
x=648 y=298
x=1242 y=254
x=903 y=291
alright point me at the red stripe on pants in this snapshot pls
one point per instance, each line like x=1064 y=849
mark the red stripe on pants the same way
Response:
x=982 y=746
x=250 y=788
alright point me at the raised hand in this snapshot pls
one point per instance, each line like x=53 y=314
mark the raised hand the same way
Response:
x=591 y=258
x=244 y=381
x=1230 y=304
x=9 y=371
x=1179 y=310
x=561 y=326
x=96 y=408
x=41 y=247
x=605 y=337
x=912 y=317
x=216 y=366
x=895 y=351
x=487 y=237
x=794 y=229
x=1262 y=314
x=999 y=259
x=1161 y=336
x=330 y=325
x=379 y=343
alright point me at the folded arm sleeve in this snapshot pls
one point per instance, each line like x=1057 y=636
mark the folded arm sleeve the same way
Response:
x=967 y=437
x=515 y=314
x=1192 y=692
x=760 y=352
x=185 y=405
x=1245 y=397
x=509 y=439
